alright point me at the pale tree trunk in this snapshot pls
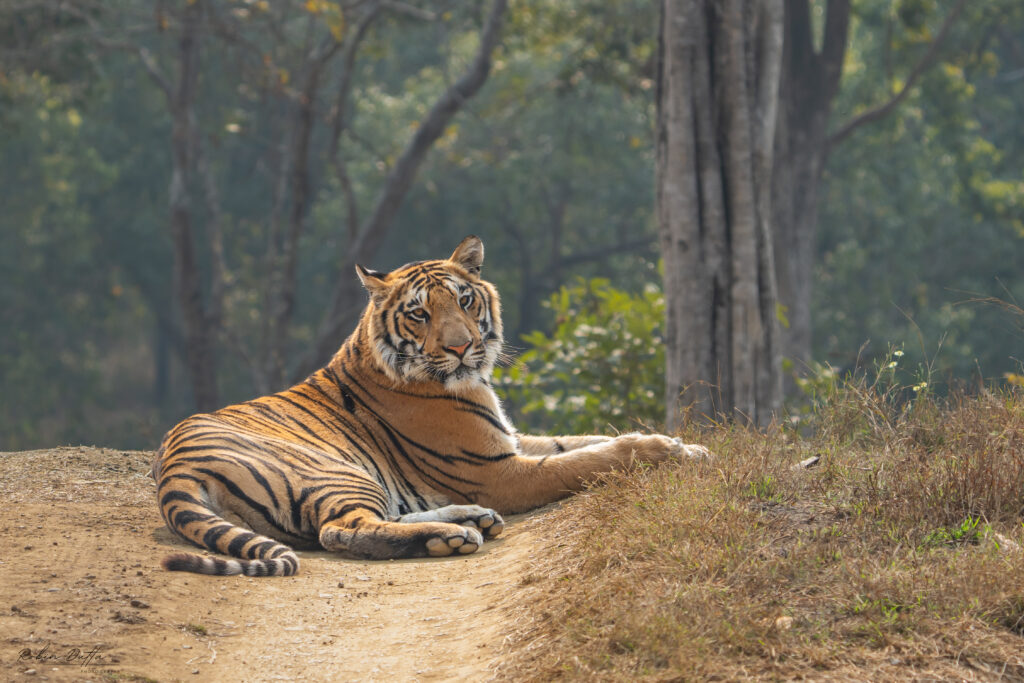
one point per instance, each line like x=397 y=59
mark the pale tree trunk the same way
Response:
x=718 y=76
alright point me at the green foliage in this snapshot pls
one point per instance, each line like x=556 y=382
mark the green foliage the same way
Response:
x=897 y=387
x=764 y=488
x=550 y=163
x=923 y=210
x=63 y=312
x=603 y=365
x=970 y=531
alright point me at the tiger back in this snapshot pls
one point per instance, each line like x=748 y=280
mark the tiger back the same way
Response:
x=397 y=448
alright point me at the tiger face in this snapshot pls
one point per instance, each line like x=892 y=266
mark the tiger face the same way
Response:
x=435 y=320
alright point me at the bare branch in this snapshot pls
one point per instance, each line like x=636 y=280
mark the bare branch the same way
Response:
x=228 y=30
x=409 y=10
x=154 y=71
x=429 y=130
x=219 y=275
x=145 y=56
x=397 y=184
x=301 y=191
x=926 y=61
x=339 y=122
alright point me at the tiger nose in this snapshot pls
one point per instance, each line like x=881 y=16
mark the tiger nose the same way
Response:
x=459 y=351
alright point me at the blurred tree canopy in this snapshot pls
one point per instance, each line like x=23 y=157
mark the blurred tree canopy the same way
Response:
x=924 y=212
x=550 y=161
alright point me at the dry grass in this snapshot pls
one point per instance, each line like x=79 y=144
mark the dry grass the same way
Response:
x=897 y=557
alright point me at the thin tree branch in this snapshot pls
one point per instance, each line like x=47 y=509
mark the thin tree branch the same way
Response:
x=219 y=275
x=301 y=191
x=228 y=29
x=926 y=62
x=145 y=56
x=397 y=184
x=339 y=120
x=429 y=130
x=154 y=71
x=409 y=10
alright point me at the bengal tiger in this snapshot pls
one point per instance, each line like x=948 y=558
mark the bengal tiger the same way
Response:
x=397 y=448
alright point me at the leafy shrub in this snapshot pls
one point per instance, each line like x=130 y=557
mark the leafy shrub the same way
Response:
x=604 y=363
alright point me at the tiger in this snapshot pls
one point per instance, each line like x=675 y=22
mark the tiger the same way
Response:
x=398 y=448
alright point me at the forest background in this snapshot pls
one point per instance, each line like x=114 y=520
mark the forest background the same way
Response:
x=286 y=140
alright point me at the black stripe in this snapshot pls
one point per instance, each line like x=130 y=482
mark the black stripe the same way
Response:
x=213 y=535
x=338 y=513
x=183 y=518
x=237 y=492
x=419 y=469
x=385 y=426
x=238 y=542
x=489 y=458
x=260 y=549
x=180 y=496
x=487 y=416
x=307 y=411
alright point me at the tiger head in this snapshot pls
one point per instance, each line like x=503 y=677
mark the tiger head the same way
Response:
x=435 y=320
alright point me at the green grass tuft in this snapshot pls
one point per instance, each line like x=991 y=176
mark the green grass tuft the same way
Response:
x=196 y=629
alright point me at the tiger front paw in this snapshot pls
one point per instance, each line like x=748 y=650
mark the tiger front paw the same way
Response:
x=650 y=448
x=655 y=448
x=454 y=539
x=488 y=522
x=695 y=451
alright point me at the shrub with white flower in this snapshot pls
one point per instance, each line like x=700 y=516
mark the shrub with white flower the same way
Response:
x=601 y=369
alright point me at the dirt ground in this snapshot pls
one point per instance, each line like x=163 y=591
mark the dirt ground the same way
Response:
x=83 y=597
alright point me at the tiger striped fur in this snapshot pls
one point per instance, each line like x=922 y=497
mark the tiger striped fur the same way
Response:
x=397 y=448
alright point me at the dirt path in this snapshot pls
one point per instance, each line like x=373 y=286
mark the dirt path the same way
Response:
x=82 y=596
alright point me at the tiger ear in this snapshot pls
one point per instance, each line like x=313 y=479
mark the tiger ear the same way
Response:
x=469 y=254
x=374 y=282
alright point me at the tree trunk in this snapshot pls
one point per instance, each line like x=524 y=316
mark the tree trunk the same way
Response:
x=810 y=82
x=718 y=76
x=200 y=330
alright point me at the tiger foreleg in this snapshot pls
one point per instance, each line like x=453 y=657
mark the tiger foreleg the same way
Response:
x=526 y=481
x=487 y=521
x=550 y=445
x=365 y=534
